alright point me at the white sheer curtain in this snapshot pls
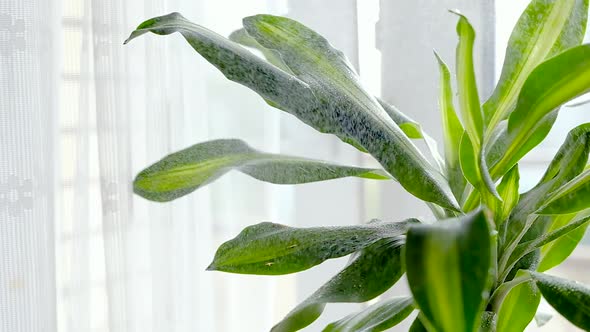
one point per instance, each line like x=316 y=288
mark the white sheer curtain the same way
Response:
x=81 y=114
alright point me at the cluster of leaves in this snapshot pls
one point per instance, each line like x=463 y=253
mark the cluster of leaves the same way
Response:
x=480 y=266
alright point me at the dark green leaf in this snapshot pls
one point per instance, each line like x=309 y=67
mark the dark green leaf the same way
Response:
x=184 y=171
x=378 y=317
x=462 y=248
x=571 y=299
x=369 y=274
x=417 y=325
x=271 y=249
x=519 y=306
x=545 y=28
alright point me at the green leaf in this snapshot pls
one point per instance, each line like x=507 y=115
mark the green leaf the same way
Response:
x=327 y=71
x=571 y=299
x=573 y=197
x=472 y=156
x=567 y=163
x=462 y=248
x=271 y=249
x=551 y=84
x=322 y=93
x=524 y=248
x=378 y=317
x=369 y=274
x=452 y=130
x=519 y=306
x=545 y=28
x=417 y=325
x=554 y=253
x=508 y=190
x=184 y=171
x=471 y=112
x=474 y=169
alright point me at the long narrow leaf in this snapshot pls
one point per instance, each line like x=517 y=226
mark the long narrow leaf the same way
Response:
x=184 y=171
x=272 y=249
x=471 y=152
x=545 y=28
x=372 y=272
x=378 y=317
x=452 y=130
x=462 y=249
x=551 y=84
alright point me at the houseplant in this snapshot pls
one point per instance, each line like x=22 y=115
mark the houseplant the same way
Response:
x=481 y=265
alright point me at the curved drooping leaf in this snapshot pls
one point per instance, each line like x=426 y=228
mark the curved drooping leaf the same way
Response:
x=572 y=197
x=374 y=270
x=475 y=171
x=545 y=28
x=327 y=71
x=568 y=162
x=518 y=306
x=452 y=130
x=551 y=84
x=462 y=248
x=184 y=171
x=271 y=249
x=377 y=317
x=332 y=102
x=554 y=253
x=570 y=298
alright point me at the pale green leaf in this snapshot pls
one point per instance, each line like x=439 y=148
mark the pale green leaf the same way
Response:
x=551 y=84
x=508 y=190
x=545 y=28
x=471 y=112
x=570 y=298
x=519 y=306
x=184 y=171
x=452 y=130
x=377 y=317
x=374 y=270
x=462 y=248
x=271 y=249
